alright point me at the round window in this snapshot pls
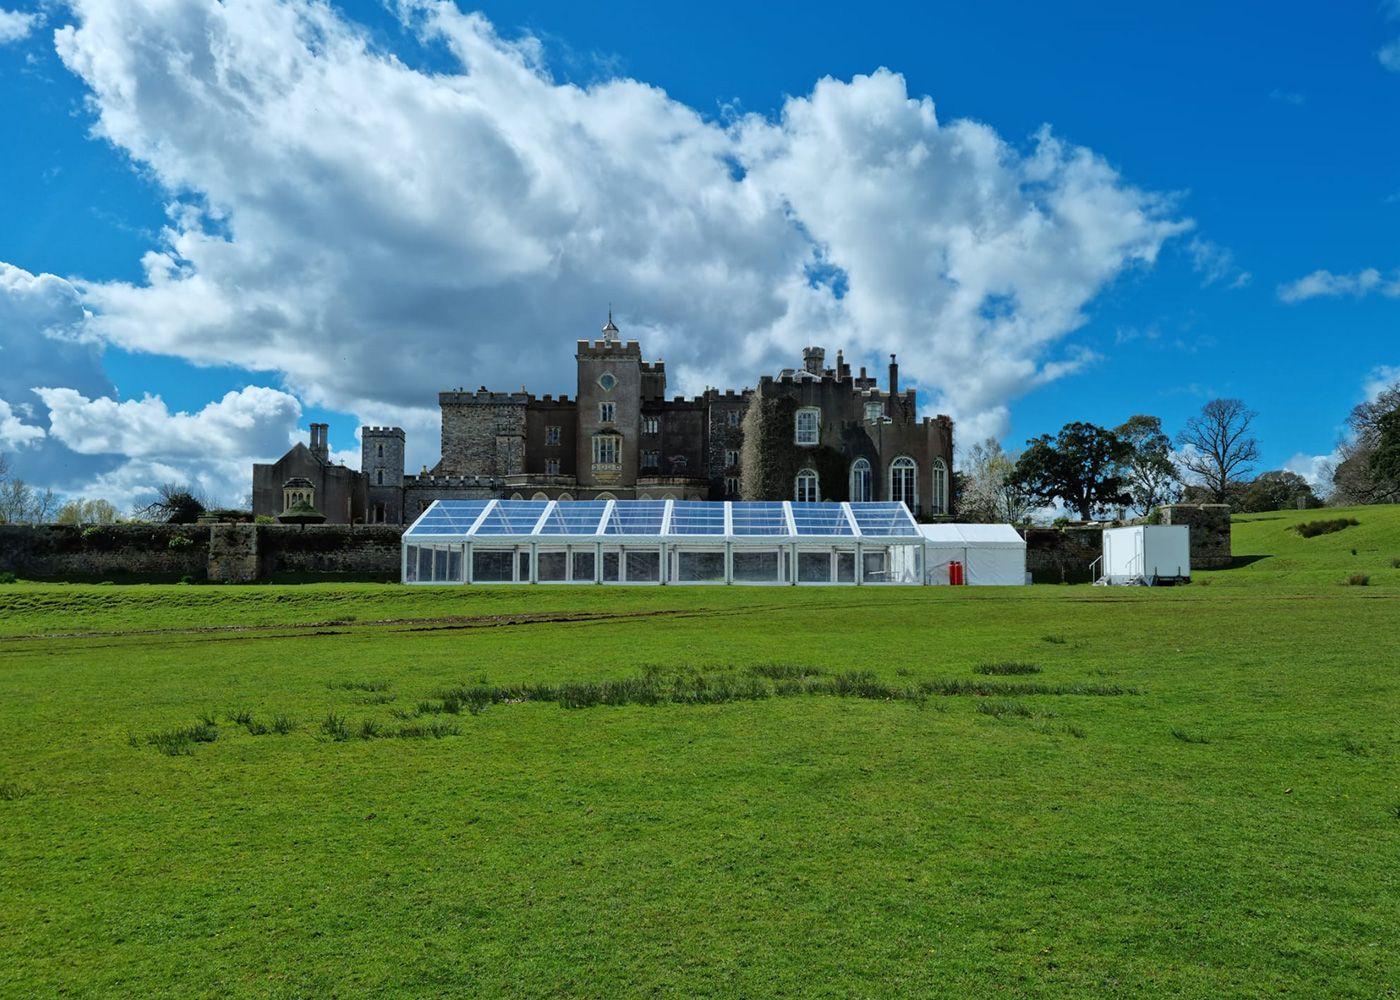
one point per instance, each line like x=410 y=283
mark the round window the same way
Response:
x=607 y=381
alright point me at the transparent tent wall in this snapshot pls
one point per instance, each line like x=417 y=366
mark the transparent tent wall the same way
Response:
x=433 y=564
x=670 y=542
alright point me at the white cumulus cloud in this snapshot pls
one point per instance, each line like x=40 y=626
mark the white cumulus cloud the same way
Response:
x=1325 y=284
x=250 y=421
x=16 y=25
x=374 y=232
x=14 y=432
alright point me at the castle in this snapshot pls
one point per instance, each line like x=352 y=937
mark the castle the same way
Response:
x=811 y=433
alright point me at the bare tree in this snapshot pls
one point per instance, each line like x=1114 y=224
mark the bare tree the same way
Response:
x=174 y=503
x=1217 y=448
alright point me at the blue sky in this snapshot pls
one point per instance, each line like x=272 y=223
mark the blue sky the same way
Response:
x=1262 y=133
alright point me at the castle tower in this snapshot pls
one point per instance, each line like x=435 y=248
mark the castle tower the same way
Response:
x=609 y=410
x=382 y=462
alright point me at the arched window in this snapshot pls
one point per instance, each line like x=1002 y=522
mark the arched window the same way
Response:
x=904 y=482
x=566 y=496
x=808 y=488
x=940 y=487
x=540 y=496
x=381 y=451
x=378 y=477
x=516 y=496
x=860 y=481
x=809 y=424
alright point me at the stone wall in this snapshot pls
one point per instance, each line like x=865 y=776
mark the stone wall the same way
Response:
x=1210 y=532
x=219 y=553
x=106 y=552
x=1062 y=555
x=366 y=551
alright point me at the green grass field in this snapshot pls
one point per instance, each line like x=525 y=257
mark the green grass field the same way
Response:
x=1197 y=794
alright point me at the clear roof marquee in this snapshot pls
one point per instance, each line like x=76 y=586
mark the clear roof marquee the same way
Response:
x=699 y=520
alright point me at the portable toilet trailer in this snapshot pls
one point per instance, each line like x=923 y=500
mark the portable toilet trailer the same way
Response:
x=1146 y=554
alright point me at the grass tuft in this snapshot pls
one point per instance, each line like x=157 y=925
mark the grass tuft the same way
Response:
x=1076 y=731
x=1186 y=736
x=283 y=724
x=1002 y=707
x=1311 y=529
x=1355 y=747
x=10 y=791
x=374 y=685
x=1006 y=669
x=1358 y=580
x=1054 y=640
x=370 y=729
x=783 y=671
x=334 y=726
x=436 y=729
x=180 y=742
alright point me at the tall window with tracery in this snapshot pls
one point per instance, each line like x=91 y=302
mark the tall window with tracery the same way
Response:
x=860 y=481
x=904 y=482
x=939 y=501
x=808 y=487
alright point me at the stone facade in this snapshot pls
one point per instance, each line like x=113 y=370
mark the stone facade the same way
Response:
x=621 y=438
x=1210 y=532
x=338 y=492
x=867 y=444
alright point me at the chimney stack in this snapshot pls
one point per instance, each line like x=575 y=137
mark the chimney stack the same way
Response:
x=894 y=376
x=320 y=447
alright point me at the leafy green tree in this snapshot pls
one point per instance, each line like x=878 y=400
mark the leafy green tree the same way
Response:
x=1150 y=473
x=87 y=512
x=1081 y=466
x=1385 y=459
x=1280 y=490
x=1353 y=479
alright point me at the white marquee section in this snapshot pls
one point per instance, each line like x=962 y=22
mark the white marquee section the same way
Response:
x=990 y=554
x=663 y=542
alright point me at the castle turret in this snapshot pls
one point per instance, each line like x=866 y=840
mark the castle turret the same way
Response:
x=813 y=358
x=382 y=462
